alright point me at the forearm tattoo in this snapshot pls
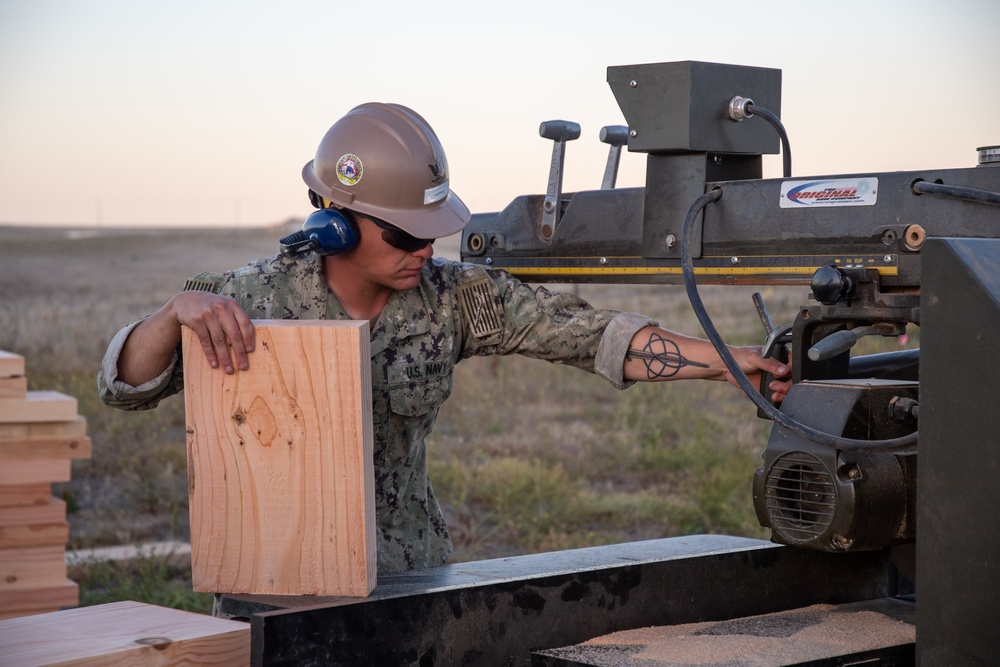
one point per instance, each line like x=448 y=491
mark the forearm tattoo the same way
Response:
x=662 y=357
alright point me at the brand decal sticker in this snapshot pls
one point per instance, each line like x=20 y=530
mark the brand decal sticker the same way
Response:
x=349 y=169
x=833 y=192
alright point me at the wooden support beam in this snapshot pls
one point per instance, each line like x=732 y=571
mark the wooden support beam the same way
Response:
x=124 y=633
x=280 y=463
x=38 y=406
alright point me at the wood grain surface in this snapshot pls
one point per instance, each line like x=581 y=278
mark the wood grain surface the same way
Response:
x=280 y=463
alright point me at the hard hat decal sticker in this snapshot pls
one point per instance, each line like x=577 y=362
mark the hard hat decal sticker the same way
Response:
x=349 y=169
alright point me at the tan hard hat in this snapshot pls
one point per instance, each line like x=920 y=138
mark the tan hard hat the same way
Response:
x=386 y=161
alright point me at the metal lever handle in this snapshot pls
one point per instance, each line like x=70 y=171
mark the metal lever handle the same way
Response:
x=838 y=342
x=559 y=131
x=776 y=346
x=616 y=136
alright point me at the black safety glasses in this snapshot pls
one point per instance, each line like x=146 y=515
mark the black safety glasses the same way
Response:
x=399 y=239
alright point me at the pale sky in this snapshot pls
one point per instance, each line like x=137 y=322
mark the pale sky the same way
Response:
x=142 y=112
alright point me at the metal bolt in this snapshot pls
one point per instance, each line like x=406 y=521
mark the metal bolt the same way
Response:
x=602 y=260
x=633 y=83
x=853 y=473
x=633 y=134
x=841 y=542
x=887 y=259
x=489 y=260
x=671 y=240
x=734 y=260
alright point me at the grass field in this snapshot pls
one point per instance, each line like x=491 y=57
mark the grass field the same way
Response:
x=526 y=456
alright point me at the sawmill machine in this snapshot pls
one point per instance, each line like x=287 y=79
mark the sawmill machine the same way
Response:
x=850 y=516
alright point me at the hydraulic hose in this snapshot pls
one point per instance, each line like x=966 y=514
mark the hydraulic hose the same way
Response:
x=973 y=195
x=786 y=151
x=733 y=367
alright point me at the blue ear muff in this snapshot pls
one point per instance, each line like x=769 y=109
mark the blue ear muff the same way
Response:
x=328 y=231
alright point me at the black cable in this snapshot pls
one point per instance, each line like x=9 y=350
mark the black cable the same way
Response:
x=734 y=368
x=786 y=151
x=973 y=195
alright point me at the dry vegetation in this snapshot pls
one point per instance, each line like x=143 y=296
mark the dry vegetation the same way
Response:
x=526 y=456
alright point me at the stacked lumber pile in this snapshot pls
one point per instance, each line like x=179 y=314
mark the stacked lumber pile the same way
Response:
x=40 y=432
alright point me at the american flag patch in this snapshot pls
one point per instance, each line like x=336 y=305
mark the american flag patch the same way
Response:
x=479 y=307
x=199 y=285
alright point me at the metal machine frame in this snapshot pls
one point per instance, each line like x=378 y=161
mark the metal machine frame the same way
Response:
x=845 y=484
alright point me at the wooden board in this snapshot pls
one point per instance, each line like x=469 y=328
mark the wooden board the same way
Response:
x=29 y=472
x=32 y=567
x=53 y=510
x=50 y=448
x=42 y=599
x=38 y=406
x=11 y=365
x=18 y=495
x=34 y=525
x=124 y=633
x=73 y=428
x=14 y=387
x=280 y=463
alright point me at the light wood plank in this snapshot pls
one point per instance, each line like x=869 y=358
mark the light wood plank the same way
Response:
x=74 y=428
x=44 y=598
x=280 y=463
x=38 y=406
x=49 y=512
x=14 y=387
x=18 y=495
x=35 y=535
x=52 y=448
x=29 y=472
x=32 y=567
x=11 y=365
x=124 y=633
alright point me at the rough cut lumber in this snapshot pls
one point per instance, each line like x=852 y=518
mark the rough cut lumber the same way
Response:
x=14 y=387
x=42 y=599
x=33 y=525
x=51 y=448
x=53 y=510
x=280 y=463
x=38 y=406
x=124 y=633
x=32 y=567
x=29 y=472
x=74 y=428
x=11 y=365
x=55 y=533
x=18 y=495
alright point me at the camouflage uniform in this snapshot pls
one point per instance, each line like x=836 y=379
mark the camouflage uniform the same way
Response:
x=457 y=311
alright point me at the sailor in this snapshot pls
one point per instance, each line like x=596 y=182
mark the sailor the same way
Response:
x=380 y=182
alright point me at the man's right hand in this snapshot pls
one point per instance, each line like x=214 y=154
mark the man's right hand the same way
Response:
x=225 y=332
x=220 y=325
